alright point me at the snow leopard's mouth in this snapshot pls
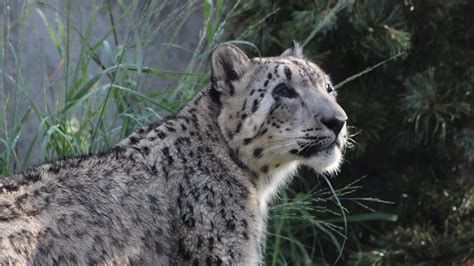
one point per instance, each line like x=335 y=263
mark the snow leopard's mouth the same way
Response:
x=312 y=149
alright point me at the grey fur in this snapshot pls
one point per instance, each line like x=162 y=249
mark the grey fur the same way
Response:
x=190 y=190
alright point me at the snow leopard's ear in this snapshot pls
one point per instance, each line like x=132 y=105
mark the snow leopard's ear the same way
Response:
x=295 y=51
x=228 y=63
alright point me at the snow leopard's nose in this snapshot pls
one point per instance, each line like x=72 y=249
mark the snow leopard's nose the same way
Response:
x=335 y=124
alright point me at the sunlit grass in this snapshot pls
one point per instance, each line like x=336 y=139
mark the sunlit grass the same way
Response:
x=101 y=93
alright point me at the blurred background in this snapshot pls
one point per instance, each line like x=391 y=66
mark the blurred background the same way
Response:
x=77 y=76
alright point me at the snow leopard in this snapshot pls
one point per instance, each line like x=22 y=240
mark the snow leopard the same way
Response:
x=190 y=190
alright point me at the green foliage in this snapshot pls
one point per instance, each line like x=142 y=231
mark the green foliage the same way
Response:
x=429 y=107
x=420 y=245
x=302 y=222
x=412 y=120
x=385 y=27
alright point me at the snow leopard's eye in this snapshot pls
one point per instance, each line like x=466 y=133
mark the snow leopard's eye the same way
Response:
x=329 y=88
x=282 y=90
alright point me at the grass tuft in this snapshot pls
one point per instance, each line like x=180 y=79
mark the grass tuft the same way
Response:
x=105 y=81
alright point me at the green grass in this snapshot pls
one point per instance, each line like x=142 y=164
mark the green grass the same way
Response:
x=102 y=93
x=103 y=88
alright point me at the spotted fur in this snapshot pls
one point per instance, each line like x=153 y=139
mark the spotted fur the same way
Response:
x=190 y=190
